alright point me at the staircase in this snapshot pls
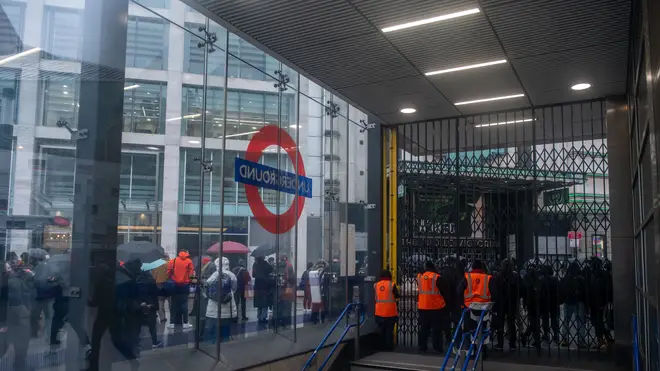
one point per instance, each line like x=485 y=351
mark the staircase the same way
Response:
x=418 y=362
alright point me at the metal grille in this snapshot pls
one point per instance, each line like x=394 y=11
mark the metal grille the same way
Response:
x=526 y=189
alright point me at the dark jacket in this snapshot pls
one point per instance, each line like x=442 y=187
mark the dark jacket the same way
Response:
x=572 y=288
x=508 y=282
x=263 y=284
x=243 y=278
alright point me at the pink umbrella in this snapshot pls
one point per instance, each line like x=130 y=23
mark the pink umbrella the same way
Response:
x=229 y=247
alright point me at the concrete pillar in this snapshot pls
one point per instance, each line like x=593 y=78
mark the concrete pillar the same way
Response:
x=374 y=224
x=171 y=164
x=98 y=160
x=621 y=214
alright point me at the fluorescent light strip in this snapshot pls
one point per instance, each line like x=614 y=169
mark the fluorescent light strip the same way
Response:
x=430 y=20
x=240 y=134
x=489 y=99
x=466 y=67
x=185 y=117
x=503 y=123
x=132 y=87
x=19 y=55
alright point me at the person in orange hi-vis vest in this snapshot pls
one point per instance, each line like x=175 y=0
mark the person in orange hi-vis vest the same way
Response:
x=431 y=305
x=476 y=287
x=387 y=315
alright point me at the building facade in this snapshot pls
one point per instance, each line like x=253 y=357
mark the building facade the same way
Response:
x=165 y=193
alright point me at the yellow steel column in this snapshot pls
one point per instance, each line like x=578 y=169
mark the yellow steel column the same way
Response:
x=393 y=204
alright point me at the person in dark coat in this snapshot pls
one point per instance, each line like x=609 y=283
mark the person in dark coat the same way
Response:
x=572 y=294
x=452 y=273
x=263 y=287
x=286 y=291
x=148 y=297
x=599 y=294
x=243 y=280
x=549 y=300
x=507 y=299
x=531 y=299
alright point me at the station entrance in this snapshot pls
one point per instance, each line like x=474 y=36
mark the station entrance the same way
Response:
x=526 y=189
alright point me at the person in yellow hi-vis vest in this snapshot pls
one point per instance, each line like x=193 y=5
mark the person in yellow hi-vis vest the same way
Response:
x=431 y=306
x=387 y=315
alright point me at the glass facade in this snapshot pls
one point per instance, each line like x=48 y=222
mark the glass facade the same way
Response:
x=187 y=112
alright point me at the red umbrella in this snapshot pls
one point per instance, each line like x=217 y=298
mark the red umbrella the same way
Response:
x=229 y=247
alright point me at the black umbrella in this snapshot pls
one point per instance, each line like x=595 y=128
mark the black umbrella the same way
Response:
x=145 y=251
x=264 y=250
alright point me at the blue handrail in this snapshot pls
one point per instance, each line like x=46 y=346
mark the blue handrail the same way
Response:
x=332 y=329
x=635 y=343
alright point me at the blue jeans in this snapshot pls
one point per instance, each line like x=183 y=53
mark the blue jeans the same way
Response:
x=212 y=330
x=577 y=310
x=262 y=313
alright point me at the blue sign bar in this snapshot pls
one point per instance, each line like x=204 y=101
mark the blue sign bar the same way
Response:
x=252 y=173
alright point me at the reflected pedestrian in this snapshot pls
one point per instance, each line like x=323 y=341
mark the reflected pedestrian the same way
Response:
x=304 y=283
x=244 y=278
x=261 y=272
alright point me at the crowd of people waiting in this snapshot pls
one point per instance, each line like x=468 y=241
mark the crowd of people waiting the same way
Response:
x=539 y=293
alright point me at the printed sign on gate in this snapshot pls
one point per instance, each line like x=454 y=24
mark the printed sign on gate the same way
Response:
x=255 y=175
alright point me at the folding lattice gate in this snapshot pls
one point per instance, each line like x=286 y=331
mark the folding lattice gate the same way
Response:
x=529 y=185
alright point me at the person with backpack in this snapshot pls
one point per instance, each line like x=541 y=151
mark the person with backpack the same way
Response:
x=243 y=277
x=571 y=288
x=220 y=289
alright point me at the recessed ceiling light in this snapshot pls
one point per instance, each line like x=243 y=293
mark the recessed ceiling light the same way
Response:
x=408 y=110
x=503 y=123
x=468 y=67
x=132 y=87
x=581 y=86
x=489 y=99
x=20 y=147
x=153 y=148
x=194 y=141
x=430 y=20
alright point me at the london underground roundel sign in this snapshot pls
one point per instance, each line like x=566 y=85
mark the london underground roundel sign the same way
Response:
x=254 y=175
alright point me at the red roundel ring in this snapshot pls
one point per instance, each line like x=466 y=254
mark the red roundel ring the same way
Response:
x=273 y=223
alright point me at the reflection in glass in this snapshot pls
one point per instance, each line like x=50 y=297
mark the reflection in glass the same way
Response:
x=146 y=45
x=60 y=97
x=144 y=107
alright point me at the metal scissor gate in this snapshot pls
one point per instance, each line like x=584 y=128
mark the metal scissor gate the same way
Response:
x=526 y=192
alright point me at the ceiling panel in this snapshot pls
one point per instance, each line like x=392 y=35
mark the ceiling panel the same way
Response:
x=534 y=27
x=393 y=12
x=390 y=96
x=478 y=83
x=363 y=60
x=600 y=64
x=293 y=22
x=568 y=95
x=453 y=43
x=550 y=45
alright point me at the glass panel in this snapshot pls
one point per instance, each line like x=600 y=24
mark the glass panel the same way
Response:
x=192 y=111
x=147 y=43
x=194 y=54
x=11 y=28
x=154 y=3
x=144 y=107
x=60 y=99
x=62 y=34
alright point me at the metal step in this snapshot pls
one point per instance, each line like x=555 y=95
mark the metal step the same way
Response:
x=419 y=362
